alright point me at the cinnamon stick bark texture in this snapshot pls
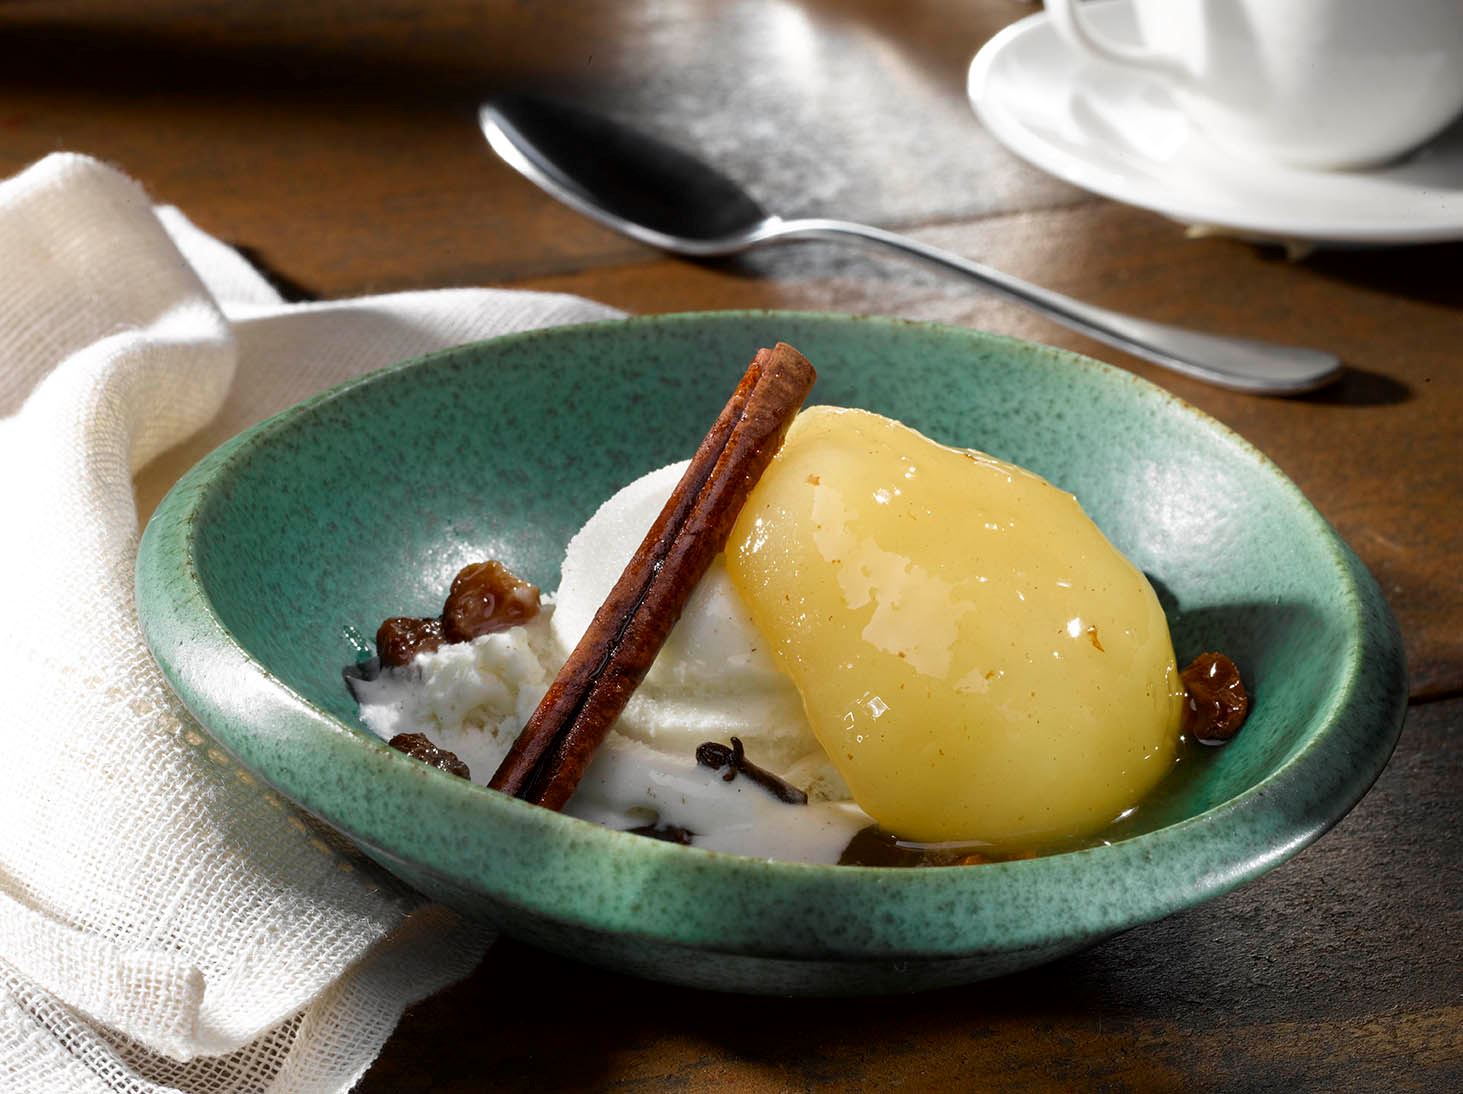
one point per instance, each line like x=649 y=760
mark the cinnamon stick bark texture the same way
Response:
x=552 y=752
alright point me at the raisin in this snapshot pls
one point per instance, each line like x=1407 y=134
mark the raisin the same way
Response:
x=1217 y=703
x=419 y=747
x=668 y=833
x=402 y=637
x=487 y=597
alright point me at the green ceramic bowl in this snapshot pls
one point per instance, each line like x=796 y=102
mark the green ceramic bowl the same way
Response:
x=363 y=502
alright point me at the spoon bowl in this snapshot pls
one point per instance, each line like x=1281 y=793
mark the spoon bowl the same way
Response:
x=628 y=181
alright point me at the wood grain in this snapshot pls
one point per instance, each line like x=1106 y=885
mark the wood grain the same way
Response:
x=340 y=143
x=337 y=145
x=342 y=153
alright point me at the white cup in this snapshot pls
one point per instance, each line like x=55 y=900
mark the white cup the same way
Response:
x=1315 y=83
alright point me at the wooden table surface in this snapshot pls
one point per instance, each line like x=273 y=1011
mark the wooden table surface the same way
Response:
x=336 y=144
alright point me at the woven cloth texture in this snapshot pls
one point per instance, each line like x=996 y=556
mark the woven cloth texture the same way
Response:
x=167 y=922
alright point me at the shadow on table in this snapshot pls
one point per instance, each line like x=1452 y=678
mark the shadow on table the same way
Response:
x=1427 y=273
x=1360 y=387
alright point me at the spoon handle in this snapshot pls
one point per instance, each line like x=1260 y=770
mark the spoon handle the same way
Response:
x=1240 y=364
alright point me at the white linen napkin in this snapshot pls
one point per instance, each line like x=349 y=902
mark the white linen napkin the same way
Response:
x=166 y=922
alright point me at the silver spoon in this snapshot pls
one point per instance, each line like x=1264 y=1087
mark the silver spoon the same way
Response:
x=667 y=199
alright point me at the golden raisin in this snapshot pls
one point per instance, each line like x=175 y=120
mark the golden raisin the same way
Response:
x=1217 y=702
x=487 y=597
x=419 y=747
x=402 y=637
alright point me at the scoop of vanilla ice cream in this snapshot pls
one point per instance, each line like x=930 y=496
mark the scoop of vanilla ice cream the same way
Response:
x=714 y=677
x=471 y=698
x=713 y=680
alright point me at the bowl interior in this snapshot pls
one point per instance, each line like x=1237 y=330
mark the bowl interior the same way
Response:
x=365 y=504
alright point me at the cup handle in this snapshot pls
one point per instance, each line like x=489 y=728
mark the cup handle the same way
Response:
x=1073 y=27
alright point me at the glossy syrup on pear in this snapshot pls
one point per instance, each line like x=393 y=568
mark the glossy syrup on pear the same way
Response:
x=979 y=662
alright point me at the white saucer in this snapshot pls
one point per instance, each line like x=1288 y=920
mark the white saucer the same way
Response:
x=1117 y=133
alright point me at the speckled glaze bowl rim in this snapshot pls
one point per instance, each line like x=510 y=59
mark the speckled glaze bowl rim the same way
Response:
x=1307 y=794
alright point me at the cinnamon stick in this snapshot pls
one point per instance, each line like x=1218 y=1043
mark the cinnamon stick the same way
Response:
x=552 y=752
